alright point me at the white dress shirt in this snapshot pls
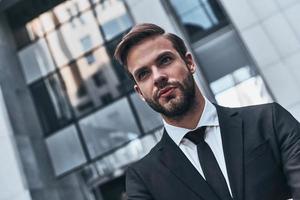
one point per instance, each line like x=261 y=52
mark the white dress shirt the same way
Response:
x=209 y=118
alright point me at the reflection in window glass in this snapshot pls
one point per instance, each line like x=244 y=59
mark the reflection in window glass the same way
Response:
x=191 y=20
x=48 y=21
x=240 y=88
x=249 y=92
x=199 y=17
x=133 y=151
x=109 y=128
x=86 y=43
x=21 y=36
x=36 y=61
x=65 y=42
x=69 y=9
x=113 y=18
x=126 y=84
x=149 y=119
x=90 y=59
x=35 y=29
x=65 y=150
x=51 y=103
x=129 y=153
x=222 y=84
x=181 y=8
x=86 y=83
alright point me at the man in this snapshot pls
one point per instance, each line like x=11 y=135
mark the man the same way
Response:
x=207 y=152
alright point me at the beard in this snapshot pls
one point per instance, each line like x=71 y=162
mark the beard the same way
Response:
x=176 y=106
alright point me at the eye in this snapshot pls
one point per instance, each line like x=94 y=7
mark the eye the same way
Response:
x=166 y=60
x=142 y=75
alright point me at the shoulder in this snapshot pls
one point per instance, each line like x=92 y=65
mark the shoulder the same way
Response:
x=253 y=110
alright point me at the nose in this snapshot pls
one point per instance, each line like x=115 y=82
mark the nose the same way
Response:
x=160 y=78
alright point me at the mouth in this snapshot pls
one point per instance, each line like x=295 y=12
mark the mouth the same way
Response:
x=165 y=91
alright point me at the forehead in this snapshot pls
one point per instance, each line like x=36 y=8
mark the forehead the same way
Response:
x=147 y=51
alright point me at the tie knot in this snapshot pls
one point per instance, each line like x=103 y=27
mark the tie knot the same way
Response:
x=196 y=136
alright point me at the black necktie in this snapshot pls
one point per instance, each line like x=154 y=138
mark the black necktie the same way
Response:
x=209 y=164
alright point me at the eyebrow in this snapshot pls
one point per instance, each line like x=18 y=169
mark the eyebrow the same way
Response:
x=139 y=70
x=160 y=56
x=157 y=59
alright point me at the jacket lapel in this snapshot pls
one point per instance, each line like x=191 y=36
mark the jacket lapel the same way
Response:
x=173 y=158
x=232 y=140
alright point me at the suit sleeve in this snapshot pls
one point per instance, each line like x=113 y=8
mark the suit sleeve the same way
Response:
x=135 y=187
x=288 y=134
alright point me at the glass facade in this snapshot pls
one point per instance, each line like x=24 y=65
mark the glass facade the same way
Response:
x=83 y=97
x=90 y=115
x=230 y=72
x=199 y=17
x=226 y=65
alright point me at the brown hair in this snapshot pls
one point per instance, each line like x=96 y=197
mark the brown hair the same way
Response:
x=141 y=32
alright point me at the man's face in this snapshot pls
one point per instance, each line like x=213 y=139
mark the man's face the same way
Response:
x=163 y=79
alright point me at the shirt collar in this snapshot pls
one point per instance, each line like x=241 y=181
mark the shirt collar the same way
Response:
x=209 y=117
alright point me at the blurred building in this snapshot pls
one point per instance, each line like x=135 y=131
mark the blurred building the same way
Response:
x=70 y=120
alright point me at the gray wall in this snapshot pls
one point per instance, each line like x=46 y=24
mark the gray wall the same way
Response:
x=271 y=32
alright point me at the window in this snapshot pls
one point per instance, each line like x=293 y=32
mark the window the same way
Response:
x=106 y=98
x=108 y=128
x=149 y=119
x=51 y=103
x=113 y=18
x=199 y=17
x=86 y=43
x=126 y=84
x=99 y=79
x=230 y=72
x=36 y=61
x=81 y=92
x=65 y=150
x=90 y=59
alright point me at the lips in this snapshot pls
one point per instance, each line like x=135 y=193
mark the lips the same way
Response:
x=165 y=91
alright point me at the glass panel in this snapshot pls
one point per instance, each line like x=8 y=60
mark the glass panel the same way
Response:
x=126 y=84
x=91 y=85
x=187 y=6
x=199 y=17
x=249 y=92
x=197 y=20
x=109 y=128
x=35 y=29
x=65 y=150
x=48 y=21
x=36 y=61
x=51 y=103
x=222 y=55
x=113 y=18
x=86 y=43
x=214 y=10
x=69 y=9
x=133 y=151
x=240 y=88
x=222 y=84
x=149 y=119
x=230 y=71
x=65 y=42
x=95 y=1
x=21 y=36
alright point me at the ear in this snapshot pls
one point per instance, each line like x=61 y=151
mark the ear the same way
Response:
x=138 y=90
x=190 y=62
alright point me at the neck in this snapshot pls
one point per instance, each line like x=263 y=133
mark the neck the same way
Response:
x=191 y=118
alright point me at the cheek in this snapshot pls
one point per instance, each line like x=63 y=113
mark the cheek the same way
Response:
x=145 y=90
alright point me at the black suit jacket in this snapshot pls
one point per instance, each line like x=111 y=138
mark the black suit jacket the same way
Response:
x=262 y=154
